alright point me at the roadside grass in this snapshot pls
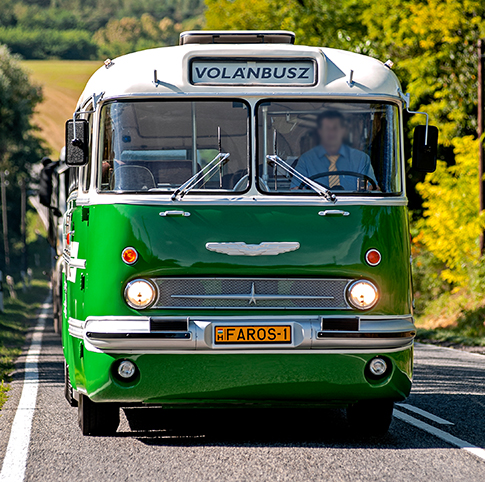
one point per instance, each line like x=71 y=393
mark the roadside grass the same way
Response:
x=62 y=83
x=19 y=315
x=454 y=319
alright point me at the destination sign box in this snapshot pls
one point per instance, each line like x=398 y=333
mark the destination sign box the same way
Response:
x=251 y=72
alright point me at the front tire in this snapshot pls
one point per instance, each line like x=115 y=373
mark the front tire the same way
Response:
x=370 y=418
x=97 y=418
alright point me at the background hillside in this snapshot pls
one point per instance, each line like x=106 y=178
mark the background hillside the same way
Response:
x=93 y=29
x=62 y=82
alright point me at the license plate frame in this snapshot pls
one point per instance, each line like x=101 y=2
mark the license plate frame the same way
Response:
x=253 y=335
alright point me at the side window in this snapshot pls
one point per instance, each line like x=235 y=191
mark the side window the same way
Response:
x=87 y=168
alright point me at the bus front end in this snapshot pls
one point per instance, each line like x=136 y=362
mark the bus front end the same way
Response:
x=238 y=235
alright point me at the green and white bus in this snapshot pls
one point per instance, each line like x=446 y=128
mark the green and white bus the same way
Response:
x=236 y=232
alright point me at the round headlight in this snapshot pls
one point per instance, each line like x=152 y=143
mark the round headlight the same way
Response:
x=139 y=294
x=362 y=295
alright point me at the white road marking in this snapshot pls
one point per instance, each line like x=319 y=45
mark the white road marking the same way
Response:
x=451 y=439
x=15 y=461
x=424 y=413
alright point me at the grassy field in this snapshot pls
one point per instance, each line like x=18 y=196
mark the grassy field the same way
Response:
x=62 y=83
x=18 y=316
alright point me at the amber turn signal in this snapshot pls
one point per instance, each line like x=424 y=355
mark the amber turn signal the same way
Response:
x=129 y=255
x=373 y=257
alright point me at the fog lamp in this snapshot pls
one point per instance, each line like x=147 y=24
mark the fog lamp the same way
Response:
x=126 y=369
x=139 y=294
x=378 y=367
x=362 y=294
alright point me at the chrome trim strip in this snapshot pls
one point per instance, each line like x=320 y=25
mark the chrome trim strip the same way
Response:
x=132 y=335
x=76 y=328
x=174 y=213
x=327 y=351
x=240 y=248
x=156 y=335
x=254 y=297
x=241 y=199
x=333 y=212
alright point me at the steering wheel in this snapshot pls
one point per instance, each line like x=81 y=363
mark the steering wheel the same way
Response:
x=342 y=173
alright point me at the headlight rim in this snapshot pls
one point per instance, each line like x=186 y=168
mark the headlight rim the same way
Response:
x=152 y=301
x=349 y=297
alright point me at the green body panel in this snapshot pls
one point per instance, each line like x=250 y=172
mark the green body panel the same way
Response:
x=175 y=246
x=330 y=247
x=324 y=378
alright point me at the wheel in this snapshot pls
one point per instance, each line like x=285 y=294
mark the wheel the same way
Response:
x=97 y=418
x=68 y=392
x=370 y=418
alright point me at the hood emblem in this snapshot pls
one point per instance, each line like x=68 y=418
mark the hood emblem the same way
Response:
x=240 y=248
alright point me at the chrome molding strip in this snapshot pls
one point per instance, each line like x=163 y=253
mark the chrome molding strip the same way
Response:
x=267 y=248
x=237 y=199
x=254 y=297
x=133 y=335
x=76 y=328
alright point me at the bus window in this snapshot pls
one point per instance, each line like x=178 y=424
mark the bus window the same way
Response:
x=153 y=146
x=350 y=148
x=87 y=168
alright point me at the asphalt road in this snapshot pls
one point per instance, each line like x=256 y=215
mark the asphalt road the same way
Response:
x=250 y=446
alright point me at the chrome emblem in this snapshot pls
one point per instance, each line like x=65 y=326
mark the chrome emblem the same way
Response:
x=263 y=249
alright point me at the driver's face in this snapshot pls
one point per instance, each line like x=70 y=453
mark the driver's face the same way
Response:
x=332 y=133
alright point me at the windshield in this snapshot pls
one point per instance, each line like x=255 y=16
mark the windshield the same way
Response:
x=349 y=148
x=157 y=146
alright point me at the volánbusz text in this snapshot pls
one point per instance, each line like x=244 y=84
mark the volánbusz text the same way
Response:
x=253 y=72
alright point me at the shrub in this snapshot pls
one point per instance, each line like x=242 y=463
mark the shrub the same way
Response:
x=49 y=43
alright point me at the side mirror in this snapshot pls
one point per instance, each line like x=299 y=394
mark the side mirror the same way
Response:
x=45 y=184
x=77 y=147
x=425 y=150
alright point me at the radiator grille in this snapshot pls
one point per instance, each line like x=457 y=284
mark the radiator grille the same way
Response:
x=244 y=293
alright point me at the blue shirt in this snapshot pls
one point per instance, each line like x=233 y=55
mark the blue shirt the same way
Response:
x=315 y=161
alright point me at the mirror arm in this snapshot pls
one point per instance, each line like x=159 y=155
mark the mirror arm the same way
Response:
x=406 y=98
x=96 y=98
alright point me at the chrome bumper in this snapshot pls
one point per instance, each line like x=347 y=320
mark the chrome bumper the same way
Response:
x=325 y=333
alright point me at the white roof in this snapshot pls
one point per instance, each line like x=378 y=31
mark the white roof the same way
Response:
x=133 y=74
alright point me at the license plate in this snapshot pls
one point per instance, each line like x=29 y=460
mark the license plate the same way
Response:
x=252 y=334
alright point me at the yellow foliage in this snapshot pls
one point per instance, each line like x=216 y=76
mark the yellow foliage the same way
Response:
x=452 y=223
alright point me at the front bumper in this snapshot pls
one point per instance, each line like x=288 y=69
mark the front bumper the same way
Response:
x=137 y=335
x=322 y=366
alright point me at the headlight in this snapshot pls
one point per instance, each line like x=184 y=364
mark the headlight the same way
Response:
x=362 y=295
x=140 y=294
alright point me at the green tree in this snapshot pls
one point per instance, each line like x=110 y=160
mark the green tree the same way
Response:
x=451 y=225
x=19 y=147
x=333 y=23
x=434 y=46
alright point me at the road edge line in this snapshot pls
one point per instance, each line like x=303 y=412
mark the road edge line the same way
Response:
x=15 y=460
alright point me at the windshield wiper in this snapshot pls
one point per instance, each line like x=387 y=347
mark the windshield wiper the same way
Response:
x=208 y=170
x=318 y=188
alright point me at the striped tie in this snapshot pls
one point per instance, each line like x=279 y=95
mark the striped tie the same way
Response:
x=333 y=180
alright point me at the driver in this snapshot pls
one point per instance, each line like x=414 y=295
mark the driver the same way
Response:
x=333 y=155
